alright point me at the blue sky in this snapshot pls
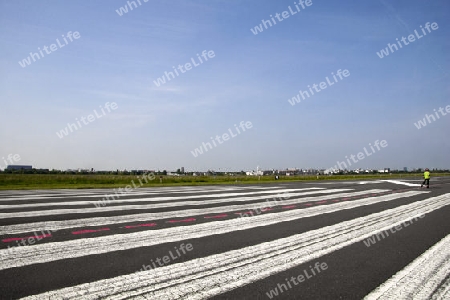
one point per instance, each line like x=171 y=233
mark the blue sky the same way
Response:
x=251 y=78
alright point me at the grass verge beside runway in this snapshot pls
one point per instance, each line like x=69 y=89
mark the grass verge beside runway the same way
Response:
x=82 y=181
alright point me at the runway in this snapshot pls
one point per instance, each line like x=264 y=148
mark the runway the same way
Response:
x=372 y=239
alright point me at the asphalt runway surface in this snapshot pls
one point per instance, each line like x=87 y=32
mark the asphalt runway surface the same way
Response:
x=301 y=240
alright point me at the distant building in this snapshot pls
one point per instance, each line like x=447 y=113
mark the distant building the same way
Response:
x=182 y=169
x=254 y=173
x=18 y=167
x=405 y=169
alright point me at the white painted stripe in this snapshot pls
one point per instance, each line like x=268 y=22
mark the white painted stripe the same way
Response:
x=443 y=292
x=206 y=277
x=401 y=182
x=420 y=278
x=417 y=180
x=22 y=256
x=101 y=221
x=135 y=192
x=347 y=182
x=40 y=213
x=153 y=199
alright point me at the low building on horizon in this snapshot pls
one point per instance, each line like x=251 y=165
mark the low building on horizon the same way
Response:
x=19 y=167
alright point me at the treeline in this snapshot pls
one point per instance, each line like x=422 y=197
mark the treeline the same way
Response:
x=78 y=172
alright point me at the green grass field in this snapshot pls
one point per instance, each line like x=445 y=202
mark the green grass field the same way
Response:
x=67 y=181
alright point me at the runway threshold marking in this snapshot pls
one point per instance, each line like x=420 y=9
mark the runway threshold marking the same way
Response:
x=103 y=221
x=98 y=245
x=85 y=231
x=237 y=268
x=224 y=215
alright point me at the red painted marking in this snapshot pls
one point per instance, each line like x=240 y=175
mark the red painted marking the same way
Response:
x=141 y=225
x=345 y=199
x=290 y=206
x=336 y=200
x=89 y=231
x=216 y=217
x=13 y=239
x=26 y=237
x=185 y=220
x=266 y=209
x=322 y=202
x=308 y=204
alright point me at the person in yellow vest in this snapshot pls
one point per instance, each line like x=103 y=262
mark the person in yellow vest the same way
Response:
x=426 y=177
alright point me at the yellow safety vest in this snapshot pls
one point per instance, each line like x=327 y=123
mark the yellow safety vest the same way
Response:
x=426 y=175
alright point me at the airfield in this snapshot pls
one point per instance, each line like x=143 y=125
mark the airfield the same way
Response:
x=373 y=239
